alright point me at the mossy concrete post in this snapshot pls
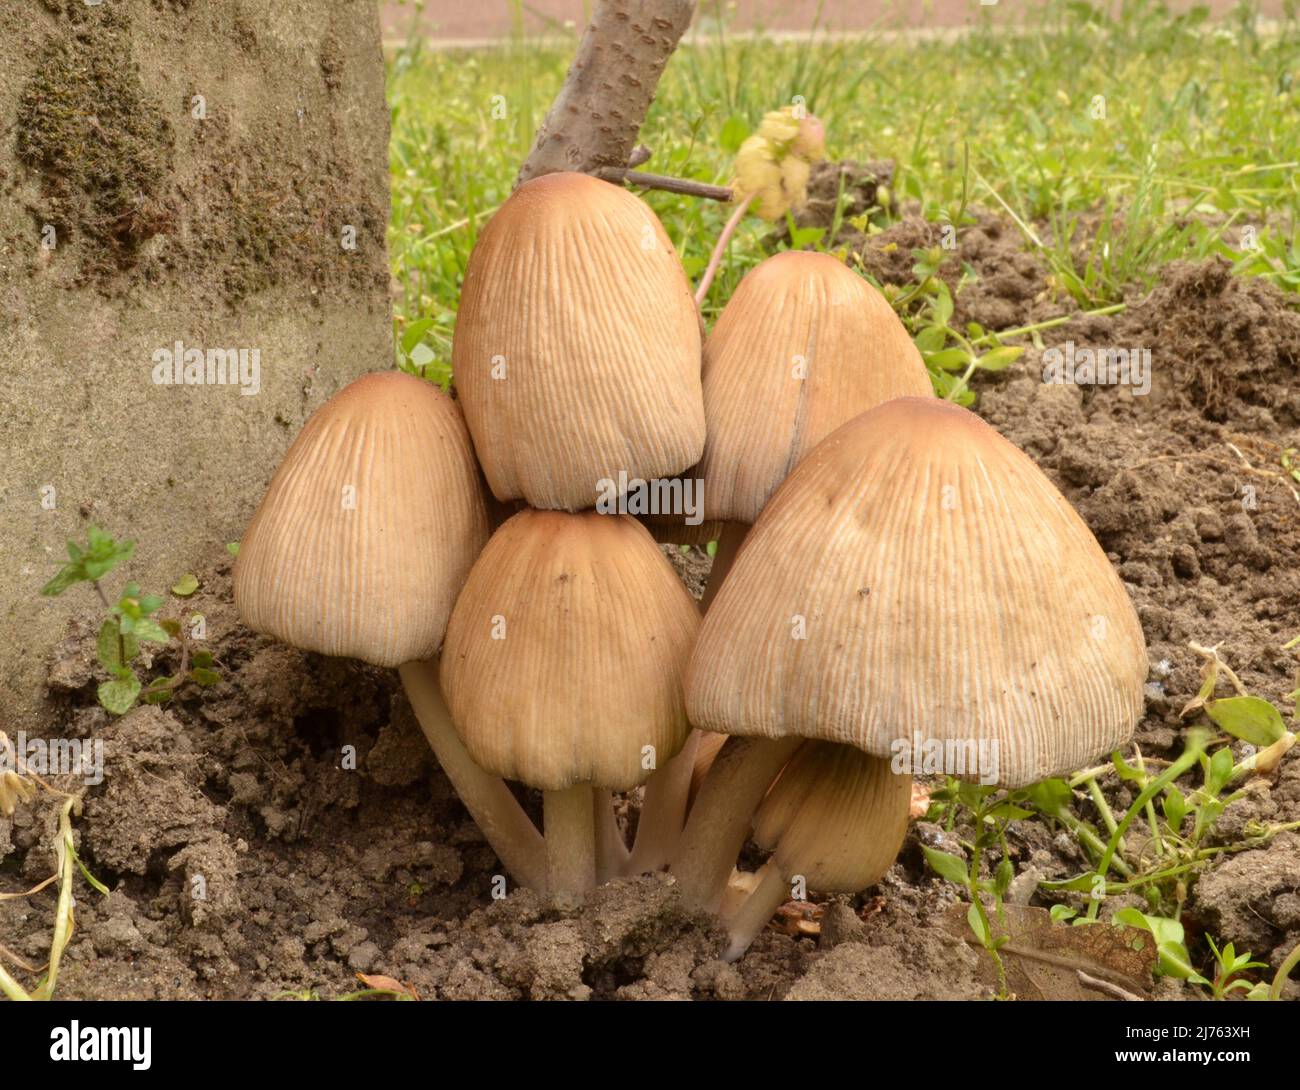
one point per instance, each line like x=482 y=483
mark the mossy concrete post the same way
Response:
x=193 y=205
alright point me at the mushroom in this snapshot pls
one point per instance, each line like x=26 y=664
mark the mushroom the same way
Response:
x=366 y=533
x=705 y=754
x=577 y=345
x=803 y=345
x=915 y=582
x=835 y=818
x=563 y=668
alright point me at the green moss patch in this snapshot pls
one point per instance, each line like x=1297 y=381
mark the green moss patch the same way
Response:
x=102 y=148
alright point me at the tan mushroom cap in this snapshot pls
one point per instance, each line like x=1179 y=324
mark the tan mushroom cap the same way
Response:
x=369 y=526
x=566 y=651
x=917 y=574
x=803 y=346
x=576 y=300
x=836 y=815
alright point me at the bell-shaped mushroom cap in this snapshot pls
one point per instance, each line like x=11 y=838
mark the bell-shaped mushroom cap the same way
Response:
x=836 y=816
x=917 y=575
x=566 y=650
x=369 y=526
x=577 y=345
x=803 y=346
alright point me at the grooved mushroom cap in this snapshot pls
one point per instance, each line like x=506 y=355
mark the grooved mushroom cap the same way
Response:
x=576 y=300
x=369 y=526
x=795 y=314
x=566 y=650
x=942 y=587
x=836 y=816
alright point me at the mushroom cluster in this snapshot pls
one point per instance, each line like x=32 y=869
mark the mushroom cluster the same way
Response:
x=909 y=574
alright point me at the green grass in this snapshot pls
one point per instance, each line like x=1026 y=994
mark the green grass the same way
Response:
x=1201 y=136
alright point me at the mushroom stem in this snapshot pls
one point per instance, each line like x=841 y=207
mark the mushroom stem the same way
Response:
x=723 y=813
x=663 y=811
x=505 y=826
x=611 y=849
x=755 y=910
x=569 y=817
x=729 y=543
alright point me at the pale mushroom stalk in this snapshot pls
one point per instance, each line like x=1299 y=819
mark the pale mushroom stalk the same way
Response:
x=722 y=814
x=611 y=849
x=739 y=886
x=834 y=820
x=663 y=811
x=744 y=925
x=505 y=826
x=569 y=819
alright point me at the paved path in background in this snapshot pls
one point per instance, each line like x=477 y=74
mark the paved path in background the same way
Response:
x=485 y=20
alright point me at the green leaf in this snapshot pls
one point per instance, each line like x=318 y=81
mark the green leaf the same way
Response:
x=976 y=922
x=1050 y=796
x=69 y=575
x=104 y=554
x=949 y=359
x=202 y=658
x=1007 y=811
x=232 y=547
x=1220 y=771
x=91 y=880
x=1173 y=957
x=160 y=690
x=947 y=865
x=422 y=355
x=1125 y=770
x=734 y=132
x=972 y=794
x=118 y=696
x=414 y=334
x=1002 y=877
x=202 y=676
x=151 y=603
x=942 y=305
x=1001 y=358
x=803 y=237
x=1175 y=807
x=147 y=630
x=931 y=339
x=1249 y=718
x=108 y=649
x=1061 y=913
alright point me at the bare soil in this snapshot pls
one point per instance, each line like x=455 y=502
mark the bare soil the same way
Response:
x=249 y=857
